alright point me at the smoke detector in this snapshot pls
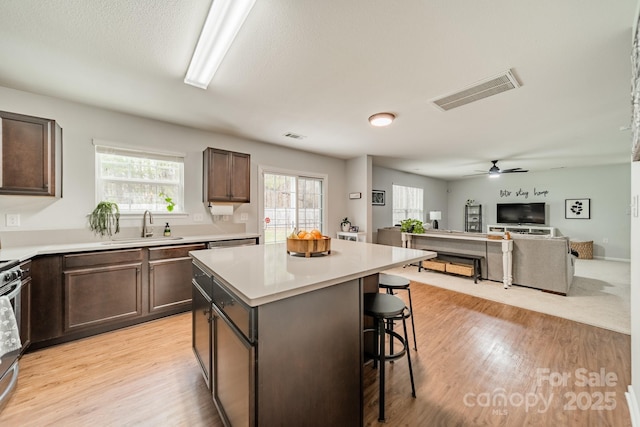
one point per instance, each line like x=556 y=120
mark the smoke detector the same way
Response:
x=480 y=90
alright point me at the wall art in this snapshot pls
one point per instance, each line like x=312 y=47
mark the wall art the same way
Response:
x=577 y=208
x=377 y=197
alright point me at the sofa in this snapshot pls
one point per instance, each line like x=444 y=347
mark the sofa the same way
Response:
x=540 y=262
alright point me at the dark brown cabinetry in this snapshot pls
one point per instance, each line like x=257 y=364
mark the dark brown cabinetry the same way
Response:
x=25 y=305
x=170 y=277
x=202 y=331
x=227 y=176
x=31 y=156
x=102 y=287
x=81 y=294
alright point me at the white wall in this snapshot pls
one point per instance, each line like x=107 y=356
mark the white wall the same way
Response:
x=83 y=123
x=357 y=180
x=608 y=187
x=435 y=195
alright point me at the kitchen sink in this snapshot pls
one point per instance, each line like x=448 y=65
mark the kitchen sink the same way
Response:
x=140 y=240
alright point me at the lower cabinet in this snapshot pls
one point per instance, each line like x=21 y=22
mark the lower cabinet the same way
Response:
x=25 y=305
x=170 y=277
x=80 y=294
x=202 y=330
x=233 y=364
x=101 y=287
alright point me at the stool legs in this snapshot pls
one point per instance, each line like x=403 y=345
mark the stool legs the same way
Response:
x=381 y=355
x=413 y=325
x=380 y=345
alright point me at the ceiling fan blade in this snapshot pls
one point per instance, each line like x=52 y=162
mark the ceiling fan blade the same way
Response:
x=514 y=170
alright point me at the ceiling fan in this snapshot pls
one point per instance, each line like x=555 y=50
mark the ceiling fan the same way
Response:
x=495 y=171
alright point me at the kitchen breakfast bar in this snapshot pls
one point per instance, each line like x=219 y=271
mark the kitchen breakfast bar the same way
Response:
x=279 y=337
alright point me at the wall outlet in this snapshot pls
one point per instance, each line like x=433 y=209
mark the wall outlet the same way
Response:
x=244 y=216
x=605 y=240
x=198 y=217
x=13 y=220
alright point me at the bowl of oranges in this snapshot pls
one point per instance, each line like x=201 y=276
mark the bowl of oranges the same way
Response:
x=308 y=243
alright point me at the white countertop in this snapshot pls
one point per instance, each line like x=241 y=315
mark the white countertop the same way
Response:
x=266 y=273
x=22 y=253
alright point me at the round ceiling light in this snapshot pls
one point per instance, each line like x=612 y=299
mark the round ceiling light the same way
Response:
x=381 y=119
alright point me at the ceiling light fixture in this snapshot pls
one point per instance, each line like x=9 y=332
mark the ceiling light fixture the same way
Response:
x=381 y=119
x=220 y=29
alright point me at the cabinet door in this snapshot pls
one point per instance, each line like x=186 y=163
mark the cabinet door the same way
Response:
x=169 y=284
x=201 y=339
x=31 y=155
x=233 y=365
x=99 y=295
x=46 y=298
x=170 y=277
x=240 y=177
x=226 y=176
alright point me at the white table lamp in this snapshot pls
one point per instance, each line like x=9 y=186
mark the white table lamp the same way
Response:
x=434 y=216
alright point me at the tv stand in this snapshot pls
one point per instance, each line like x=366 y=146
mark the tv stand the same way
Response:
x=522 y=229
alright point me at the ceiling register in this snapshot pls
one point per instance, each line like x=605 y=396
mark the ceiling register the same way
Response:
x=483 y=89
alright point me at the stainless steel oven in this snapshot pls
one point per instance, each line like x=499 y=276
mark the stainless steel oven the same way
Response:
x=10 y=287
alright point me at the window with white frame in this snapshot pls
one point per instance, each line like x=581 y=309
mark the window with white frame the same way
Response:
x=291 y=201
x=138 y=180
x=407 y=203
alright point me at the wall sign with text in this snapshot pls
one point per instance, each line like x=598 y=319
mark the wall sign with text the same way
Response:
x=524 y=193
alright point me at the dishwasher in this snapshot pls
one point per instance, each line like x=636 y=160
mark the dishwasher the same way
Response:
x=232 y=243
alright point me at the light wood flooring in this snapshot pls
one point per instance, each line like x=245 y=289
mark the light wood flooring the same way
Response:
x=472 y=355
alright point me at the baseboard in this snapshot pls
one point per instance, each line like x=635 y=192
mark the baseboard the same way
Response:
x=606 y=258
x=634 y=412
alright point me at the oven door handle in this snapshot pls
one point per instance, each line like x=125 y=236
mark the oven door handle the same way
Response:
x=15 y=290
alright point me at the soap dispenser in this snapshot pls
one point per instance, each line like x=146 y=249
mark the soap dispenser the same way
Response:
x=167 y=230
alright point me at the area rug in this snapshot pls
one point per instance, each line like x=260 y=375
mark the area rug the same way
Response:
x=599 y=295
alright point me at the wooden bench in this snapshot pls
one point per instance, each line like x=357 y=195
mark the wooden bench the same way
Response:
x=476 y=262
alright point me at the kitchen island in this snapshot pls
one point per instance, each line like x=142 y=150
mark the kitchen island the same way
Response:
x=285 y=332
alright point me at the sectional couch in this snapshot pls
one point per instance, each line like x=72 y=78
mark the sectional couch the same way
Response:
x=539 y=262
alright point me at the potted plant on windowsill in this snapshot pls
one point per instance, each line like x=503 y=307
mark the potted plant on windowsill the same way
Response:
x=105 y=219
x=345 y=225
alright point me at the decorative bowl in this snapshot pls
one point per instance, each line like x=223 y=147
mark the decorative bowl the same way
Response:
x=309 y=247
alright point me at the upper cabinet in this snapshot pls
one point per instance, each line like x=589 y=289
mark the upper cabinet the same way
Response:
x=226 y=176
x=30 y=155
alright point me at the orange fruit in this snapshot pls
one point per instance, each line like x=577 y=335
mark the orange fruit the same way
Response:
x=309 y=236
x=316 y=233
x=301 y=234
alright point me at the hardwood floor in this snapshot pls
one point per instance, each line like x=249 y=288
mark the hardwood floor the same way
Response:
x=473 y=356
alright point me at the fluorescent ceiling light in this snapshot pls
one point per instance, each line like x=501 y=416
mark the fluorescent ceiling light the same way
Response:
x=220 y=29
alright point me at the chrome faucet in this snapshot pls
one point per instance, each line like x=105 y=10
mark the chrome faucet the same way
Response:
x=145 y=230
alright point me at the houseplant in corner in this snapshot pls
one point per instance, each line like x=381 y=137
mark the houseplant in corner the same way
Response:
x=105 y=219
x=411 y=226
x=345 y=225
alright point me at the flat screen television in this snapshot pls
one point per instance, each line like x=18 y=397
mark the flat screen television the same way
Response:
x=521 y=213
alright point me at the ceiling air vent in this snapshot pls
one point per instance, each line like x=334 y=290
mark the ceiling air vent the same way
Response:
x=293 y=135
x=480 y=90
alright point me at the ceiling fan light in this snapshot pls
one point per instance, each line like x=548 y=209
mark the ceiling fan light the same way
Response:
x=381 y=119
x=494 y=174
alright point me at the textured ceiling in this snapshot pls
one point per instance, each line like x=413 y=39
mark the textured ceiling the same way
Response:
x=321 y=68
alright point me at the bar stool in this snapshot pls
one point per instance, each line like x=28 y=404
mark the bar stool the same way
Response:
x=392 y=283
x=384 y=307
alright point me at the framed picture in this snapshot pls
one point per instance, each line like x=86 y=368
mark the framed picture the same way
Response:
x=377 y=198
x=577 y=208
x=354 y=229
